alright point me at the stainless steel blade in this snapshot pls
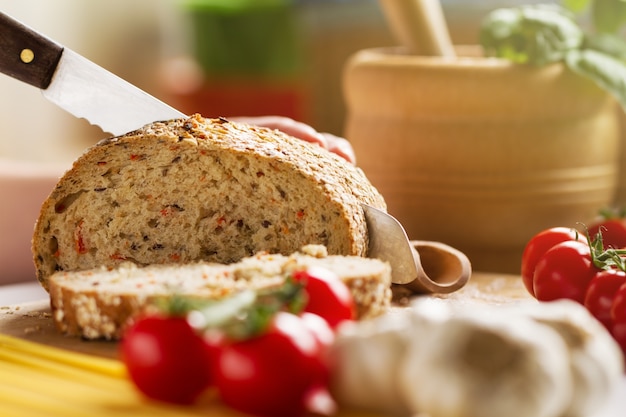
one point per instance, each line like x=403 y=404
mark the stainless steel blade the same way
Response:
x=89 y=91
x=424 y=266
x=389 y=242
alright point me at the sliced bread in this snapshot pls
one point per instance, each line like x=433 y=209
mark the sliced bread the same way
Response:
x=100 y=303
x=197 y=189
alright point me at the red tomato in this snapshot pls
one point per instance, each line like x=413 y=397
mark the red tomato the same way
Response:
x=564 y=271
x=274 y=373
x=538 y=245
x=618 y=316
x=601 y=292
x=619 y=334
x=328 y=296
x=214 y=341
x=613 y=232
x=320 y=328
x=166 y=359
x=618 y=308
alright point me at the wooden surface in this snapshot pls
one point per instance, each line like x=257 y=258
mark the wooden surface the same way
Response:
x=33 y=321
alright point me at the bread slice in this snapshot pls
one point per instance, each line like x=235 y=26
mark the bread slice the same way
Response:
x=197 y=189
x=100 y=303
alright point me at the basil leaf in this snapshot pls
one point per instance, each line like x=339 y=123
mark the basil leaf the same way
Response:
x=609 y=73
x=537 y=34
x=608 y=44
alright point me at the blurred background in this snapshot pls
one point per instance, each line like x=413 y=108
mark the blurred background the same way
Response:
x=215 y=57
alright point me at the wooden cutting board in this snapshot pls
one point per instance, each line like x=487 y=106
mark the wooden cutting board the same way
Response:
x=33 y=321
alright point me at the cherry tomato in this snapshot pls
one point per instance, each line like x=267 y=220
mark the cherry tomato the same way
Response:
x=328 y=296
x=613 y=232
x=166 y=359
x=538 y=245
x=601 y=292
x=564 y=271
x=214 y=341
x=618 y=317
x=324 y=337
x=320 y=328
x=274 y=373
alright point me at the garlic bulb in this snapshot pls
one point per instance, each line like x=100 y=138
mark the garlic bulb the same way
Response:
x=365 y=357
x=485 y=364
x=596 y=359
x=368 y=355
x=450 y=360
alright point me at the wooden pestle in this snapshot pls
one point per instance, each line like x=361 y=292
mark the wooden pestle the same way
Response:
x=420 y=26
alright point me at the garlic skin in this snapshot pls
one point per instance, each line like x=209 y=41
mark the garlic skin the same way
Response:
x=365 y=359
x=485 y=364
x=597 y=363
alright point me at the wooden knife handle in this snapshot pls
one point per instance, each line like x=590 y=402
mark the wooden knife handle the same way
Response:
x=25 y=54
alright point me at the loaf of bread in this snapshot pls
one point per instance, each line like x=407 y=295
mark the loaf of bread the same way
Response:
x=197 y=189
x=101 y=302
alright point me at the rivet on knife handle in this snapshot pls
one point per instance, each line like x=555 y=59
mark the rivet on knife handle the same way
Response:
x=25 y=54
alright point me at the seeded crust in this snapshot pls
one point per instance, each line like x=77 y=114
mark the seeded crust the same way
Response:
x=197 y=189
x=100 y=303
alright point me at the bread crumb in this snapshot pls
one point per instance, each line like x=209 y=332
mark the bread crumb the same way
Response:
x=316 y=251
x=32 y=329
x=38 y=314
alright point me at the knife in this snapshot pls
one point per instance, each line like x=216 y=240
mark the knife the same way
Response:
x=76 y=84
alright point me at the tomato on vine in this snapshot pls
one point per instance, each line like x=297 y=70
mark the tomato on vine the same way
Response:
x=618 y=317
x=264 y=351
x=320 y=327
x=166 y=359
x=272 y=374
x=328 y=296
x=538 y=245
x=601 y=293
x=564 y=271
x=612 y=226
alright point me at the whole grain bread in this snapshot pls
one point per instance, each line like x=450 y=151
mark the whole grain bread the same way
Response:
x=101 y=302
x=197 y=189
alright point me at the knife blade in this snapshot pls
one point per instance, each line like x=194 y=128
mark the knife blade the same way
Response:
x=389 y=242
x=75 y=83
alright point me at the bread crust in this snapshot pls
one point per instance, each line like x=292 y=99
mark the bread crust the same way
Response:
x=197 y=189
x=100 y=303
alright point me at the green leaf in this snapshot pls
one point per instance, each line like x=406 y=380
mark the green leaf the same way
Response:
x=607 y=43
x=542 y=34
x=248 y=313
x=608 y=72
x=218 y=313
x=538 y=34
